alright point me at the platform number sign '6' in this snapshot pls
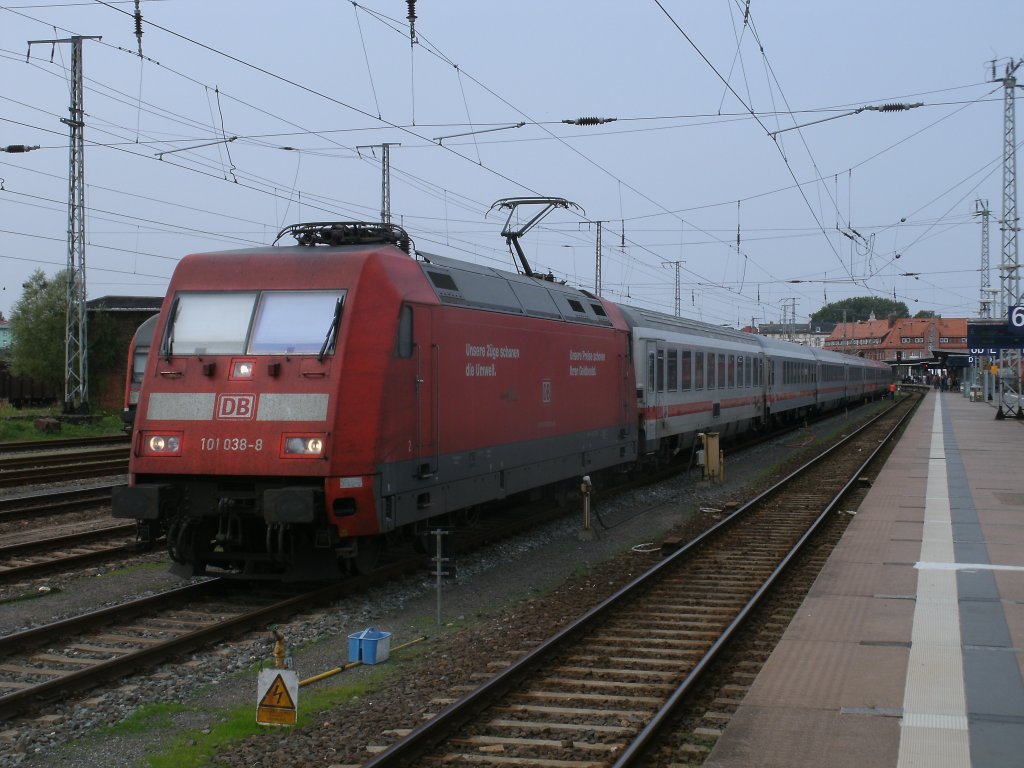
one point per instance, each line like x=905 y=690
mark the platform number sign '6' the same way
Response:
x=1016 y=320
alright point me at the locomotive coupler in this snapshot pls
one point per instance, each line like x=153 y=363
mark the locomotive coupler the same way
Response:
x=229 y=527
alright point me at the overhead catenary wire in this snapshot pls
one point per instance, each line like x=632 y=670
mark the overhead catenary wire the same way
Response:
x=637 y=251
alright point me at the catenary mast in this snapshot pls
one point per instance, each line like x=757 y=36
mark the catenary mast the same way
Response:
x=76 y=361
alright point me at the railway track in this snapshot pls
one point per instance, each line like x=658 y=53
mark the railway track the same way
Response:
x=61 y=443
x=51 y=662
x=66 y=551
x=600 y=691
x=85 y=651
x=24 y=506
x=49 y=466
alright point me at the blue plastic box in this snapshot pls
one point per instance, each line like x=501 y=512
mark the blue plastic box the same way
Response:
x=371 y=646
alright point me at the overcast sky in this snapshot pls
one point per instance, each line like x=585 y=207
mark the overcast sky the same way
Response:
x=733 y=153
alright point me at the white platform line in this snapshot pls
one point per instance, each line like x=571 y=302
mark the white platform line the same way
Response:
x=933 y=730
x=967 y=567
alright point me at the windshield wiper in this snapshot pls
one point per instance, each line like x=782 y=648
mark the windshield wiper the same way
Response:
x=332 y=332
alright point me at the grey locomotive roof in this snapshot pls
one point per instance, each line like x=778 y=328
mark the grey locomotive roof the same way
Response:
x=461 y=283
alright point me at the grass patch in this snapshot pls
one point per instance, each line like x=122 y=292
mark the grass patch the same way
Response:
x=192 y=749
x=16 y=425
x=196 y=748
x=146 y=719
x=29 y=596
x=136 y=568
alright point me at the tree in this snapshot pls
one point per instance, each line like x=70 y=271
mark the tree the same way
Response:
x=925 y=314
x=39 y=330
x=860 y=308
x=38 y=327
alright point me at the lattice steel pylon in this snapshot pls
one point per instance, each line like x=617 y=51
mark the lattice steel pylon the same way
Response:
x=1009 y=265
x=985 y=301
x=385 y=177
x=677 y=311
x=76 y=357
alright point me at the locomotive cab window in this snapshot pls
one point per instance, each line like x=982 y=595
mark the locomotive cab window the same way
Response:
x=296 y=322
x=271 y=322
x=211 y=323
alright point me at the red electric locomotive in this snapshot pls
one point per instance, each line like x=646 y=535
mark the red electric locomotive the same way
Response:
x=300 y=402
x=138 y=353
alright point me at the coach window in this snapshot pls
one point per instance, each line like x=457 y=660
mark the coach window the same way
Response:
x=740 y=369
x=687 y=380
x=211 y=323
x=673 y=370
x=722 y=382
x=698 y=370
x=296 y=322
x=730 y=380
x=660 y=373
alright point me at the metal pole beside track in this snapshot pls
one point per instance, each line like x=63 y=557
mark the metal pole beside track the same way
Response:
x=438 y=570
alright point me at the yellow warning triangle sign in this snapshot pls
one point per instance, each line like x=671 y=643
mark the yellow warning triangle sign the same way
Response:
x=277 y=696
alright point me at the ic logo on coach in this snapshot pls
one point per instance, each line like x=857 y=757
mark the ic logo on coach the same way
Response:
x=236 y=406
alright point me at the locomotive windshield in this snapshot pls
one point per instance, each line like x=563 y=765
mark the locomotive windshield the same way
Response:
x=294 y=321
x=264 y=323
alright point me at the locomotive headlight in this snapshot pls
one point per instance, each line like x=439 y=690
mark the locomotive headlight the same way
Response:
x=242 y=369
x=304 y=446
x=161 y=444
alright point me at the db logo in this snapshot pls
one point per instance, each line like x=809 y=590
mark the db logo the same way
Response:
x=236 y=406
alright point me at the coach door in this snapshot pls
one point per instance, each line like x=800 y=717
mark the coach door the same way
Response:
x=427 y=370
x=653 y=387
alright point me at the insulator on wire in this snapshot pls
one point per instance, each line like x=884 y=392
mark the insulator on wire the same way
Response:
x=138 y=25
x=590 y=120
x=412 y=19
x=899 y=107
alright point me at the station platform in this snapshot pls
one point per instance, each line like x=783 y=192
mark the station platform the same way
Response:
x=908 y=650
